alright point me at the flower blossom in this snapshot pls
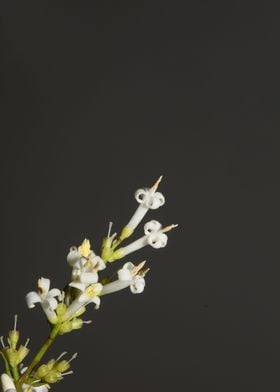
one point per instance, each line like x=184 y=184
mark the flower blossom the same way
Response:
x=147 y=198
x=129 y=276
x=85 y=264
x=154 y=236
x=89 y=295
x=46 y=298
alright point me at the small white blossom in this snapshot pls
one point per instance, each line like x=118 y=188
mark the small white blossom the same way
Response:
x=46 y=298
x=85 y=264
x=128 y=276
x=154 y=236
x=147 y=198
x=89 y=295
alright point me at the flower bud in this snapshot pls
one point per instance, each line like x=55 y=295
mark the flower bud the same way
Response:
x=13 y=338
x=22 y=353
x=42 y=371
x=52 y=377
x=62 y=366
x=65 y=327
x=77 y=323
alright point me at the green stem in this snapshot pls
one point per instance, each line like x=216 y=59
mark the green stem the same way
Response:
x=53 y=334
x=7 y=368
x=15 y=372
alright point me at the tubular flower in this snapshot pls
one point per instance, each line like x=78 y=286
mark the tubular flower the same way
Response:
x=90 y=294
x=154 y=236
x=46 y=298
x=85 y=264
x=147 y=198
x=129 y=276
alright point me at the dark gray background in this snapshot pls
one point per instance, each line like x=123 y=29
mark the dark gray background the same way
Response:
x=99 y=98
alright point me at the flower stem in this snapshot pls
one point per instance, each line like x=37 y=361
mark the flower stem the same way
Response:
x=53 y=334
x=7 y=368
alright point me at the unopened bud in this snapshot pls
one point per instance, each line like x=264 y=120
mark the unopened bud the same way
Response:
x=22 y=353
x=77 y=323
x=65 y=327
x=13 y=338
x=61 y=309
x=52 y=377
x=62 y=366
x=42 y=371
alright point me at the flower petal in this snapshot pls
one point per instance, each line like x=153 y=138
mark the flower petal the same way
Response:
x=54 y=293
x=137 y=285
x=44 y=285
x=32 y=298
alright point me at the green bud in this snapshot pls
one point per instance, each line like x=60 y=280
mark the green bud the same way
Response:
x=65 y=327
x=61 y=309
x=62 y=366
x=50 y=365
x=52 y=377
x=13 y=338
x=77 y=323
x=41 y=372
x=22 y=353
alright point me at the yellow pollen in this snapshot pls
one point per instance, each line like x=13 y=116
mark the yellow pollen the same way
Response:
x=138 y=268
x=84 y=248
x=168 y=228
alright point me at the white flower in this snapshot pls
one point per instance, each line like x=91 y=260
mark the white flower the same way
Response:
x=7 y=383
x=154 y=236
x=85 y=266
x=46 y=298
x=39 y=388
x=128 y=276
x=90 y=294
x=147 y=198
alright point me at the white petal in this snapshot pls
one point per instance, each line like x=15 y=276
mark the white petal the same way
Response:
x=77 y=285
x=7 y=383
x=125 y=272
x=138 y=285
x=44 y=285
x=52 y=302
x=49 y=312
x=156 y=200
x=73 y=256
x=88 y=277
x=141 y=195
x=157 y=240
x=54 y=293
x=96 y=300
x=32 y=298
x=99 y=263
x=152 y=226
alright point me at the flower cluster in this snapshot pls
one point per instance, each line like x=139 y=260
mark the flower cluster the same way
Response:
x=64 y=308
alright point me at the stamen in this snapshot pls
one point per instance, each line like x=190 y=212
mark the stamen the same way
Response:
x=15 y=322
x=61 y=355
x=168 y=228
x=138 y=268
x=67 y=373
x=74 y=356
x=156 y=184
x=27 y=341
x=2 y=341
x=87 y=322
x=110 y=228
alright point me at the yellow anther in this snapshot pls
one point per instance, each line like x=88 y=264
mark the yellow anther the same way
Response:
x=168 y=228
x=156 y=184
x=84 y=248
x=138 y=268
